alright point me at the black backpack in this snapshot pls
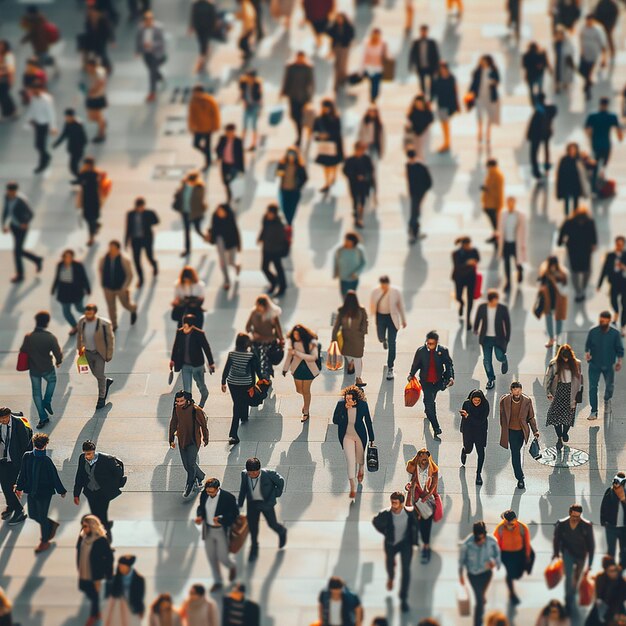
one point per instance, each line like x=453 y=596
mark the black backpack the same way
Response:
x=123 y=479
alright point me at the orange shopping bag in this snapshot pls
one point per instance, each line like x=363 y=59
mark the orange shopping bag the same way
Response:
x=585 y=591
x=334 y=360
x=554 y=573
x=412 y=392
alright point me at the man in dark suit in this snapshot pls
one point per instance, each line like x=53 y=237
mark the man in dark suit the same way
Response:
x=74 y=132
x=217 y=512
x=613 y=270
x=230 y=153
x=139 y=223
x=299 y=87
x=261 y=488
x=492 y=324
x=398 y=527
x=419 y=181
x=539 y=132
x=99 y=476
x=436 y=374
x=424 y=57
x=15 y=441
x=359 y=170
x=16 y=217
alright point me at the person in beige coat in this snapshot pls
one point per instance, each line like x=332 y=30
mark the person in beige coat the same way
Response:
x=203 y=119
x=349 y=332
x=517 y=419
x=493 y=196
x=512 y=240
x=116 y=274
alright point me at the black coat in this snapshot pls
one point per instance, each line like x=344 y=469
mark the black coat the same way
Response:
x=272 y=485
x=198 y=344
x=616 y=279
x=48 y=481
x=502 y=324
x=74 y=133
x=418 y=178
x=149 y=219
x=226 y=508
x=227 y=229
x=461 y=270
x=251 y=613
x=341 y=36
x=443 y=364
x=362 y=425
x=239 y=163
x=568 y=181
x=359 y=171
x=490 y=75
x=474 y=427
x=444 y=92
x=432 y=54
x=136 y=594
x=330 y=126
x=383 y=523
x=20 y=440
x=100 y=559
x=540 y=125
x=74 y=291
x=420 y=120
x=273 y=236
x=609 y=508
x=22 y=211
x=534 y=64
x=203 y=17
x=107 y=473
x=580 y=233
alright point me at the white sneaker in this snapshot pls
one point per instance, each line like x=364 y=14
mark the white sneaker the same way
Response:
x=390 y=373
x=593 y=415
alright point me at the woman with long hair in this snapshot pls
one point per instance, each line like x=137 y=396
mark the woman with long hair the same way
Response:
x=327 y=132
x=465 y=261
x=572 y=182
x=552 y=297
x=474 y=425
x=292 y=173
x=372 y=132
x=562 y=383
x=352 y=416
x=374 y=56
x=553 y=614
x=189 y=293
x=484 y=94
x=419 y=118
x=163 y=613
x=349 y=331
x=224 y=234
x=264 y=327
x=302 y=362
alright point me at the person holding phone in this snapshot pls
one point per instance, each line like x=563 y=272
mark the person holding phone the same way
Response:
x=474 y=424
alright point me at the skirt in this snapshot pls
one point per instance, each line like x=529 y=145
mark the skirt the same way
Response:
x=514 y=563
x=303 y=372
x=96 y=104
x=561 y=412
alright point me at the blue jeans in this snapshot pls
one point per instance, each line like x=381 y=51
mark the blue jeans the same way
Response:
x=430 y=395
x=573 y=571
x=67 y=311
x=374 y=79
x=346 y=285
x=386 y=329
x=489 y=347
x=51 y=382
x=550 y=325
x=197 y=373
x=251 y=117
x=594 y=378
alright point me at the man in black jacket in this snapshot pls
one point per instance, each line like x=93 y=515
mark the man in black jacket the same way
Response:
x=359 y=170
x=202 y=21
x=217 y=512
x=15 y=441
x=230 y=152
x=16 y=217
x=134 y=592
x=613 y=517
x=187 y=355
x=99 y=476
x=139 y=223
x=539 y=132
x=492 y=324
x=74 y=133
x=398 y=527
x=424 y=57
x=436 y=374
x=260 y=488
x=614 y=270
x=275 y=246
x=299 y=87
x=419 y=182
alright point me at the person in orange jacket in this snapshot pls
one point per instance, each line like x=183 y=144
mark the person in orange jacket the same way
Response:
x=203 y=119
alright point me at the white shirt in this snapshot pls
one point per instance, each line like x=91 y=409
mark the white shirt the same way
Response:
x=510 y=226
x=41 y=110
x=5 y=432
x=566 y=375
x=195 y=289
x=334 y=613
x=89 y=335
x=491 y=321
x=210 y=507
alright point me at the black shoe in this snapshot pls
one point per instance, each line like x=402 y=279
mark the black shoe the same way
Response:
x=280 y=293
x=437 y=432
x=100 y=404
x=133 y=319
x=48 y=409
x=520 y=484
x=559 y=444
x=385 y=344
x=514 y=599
x=520 y=274
x=18 y=518
x=233 y=441
x=282 y=541
x=39 y=264
x=216 y=587
x=188 y=490
x=404 y=606
x=254 y=553
x=42 y=424
x=565 y=437
x=463 y=456
x=106 y=393
x=479 y=479
x=6 y=514
x=505 y=366
x=491 y=383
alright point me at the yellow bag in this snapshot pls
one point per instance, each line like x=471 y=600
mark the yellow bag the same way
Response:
x=339 y=340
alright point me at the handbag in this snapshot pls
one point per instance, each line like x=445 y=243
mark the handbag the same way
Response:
x=585 y=591
x=22 y=362
x=372 y=458
x=339 y=340
x=463 y=601
x=389 y=69
x=412 y=392
x=478 y=286
x=326 y=148
x=238 y=534
x=438 y=512
x=554 y=573
x=355 y=78
x=170 y=378
x=579 y=396
x=425 y=509
x=275 y=353
x=334 y=360
x=538 y=306
x=276 y=115
x=534 y=449
x=259 y=392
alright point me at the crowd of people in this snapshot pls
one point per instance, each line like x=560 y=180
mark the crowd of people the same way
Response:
x=582 y=43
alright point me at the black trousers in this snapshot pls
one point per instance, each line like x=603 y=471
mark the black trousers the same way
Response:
x=143 y=243
x=509 y=251
x=275 y=279
x=19 y=235
x=479 y=584
x=202 y=142
x=89 y=589
x=468 y=284
x=7 y=104
x=416 y=210
x=75 y=159
x=229 y=171
x=516 y=443
x=359 y=191
x=296 y=108
x=8 y=477
x=618 y=294
x=38 y=507
x=99 y=506
x=406 y=554
x=254 y=515
x=430 y=391
x=41 y=143
x=425 y=527
x=241 y=407
x=187 y=223
x=535 y=145
x=492 y=214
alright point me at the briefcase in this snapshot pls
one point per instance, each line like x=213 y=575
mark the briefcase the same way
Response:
x=238 y=534
x=389 y=69
x=372 y=459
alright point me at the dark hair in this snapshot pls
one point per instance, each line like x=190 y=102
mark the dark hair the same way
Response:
x=492 y=162
x=605 y=314
x=572 y=365
x=608 y=561
x=42 y=319
x=40 y=440
x=397 y=495
x=479 y=529
x=428 y=621
x=272 y=208
x=5 y=410
x=89 y=161
x=433 y=334
x=88 y=445
x=140 y=201
x=354 y=391
x=212 y=482
x=350 y=306
x=384 y=279
x=410 y=154
x=183 y=394
x=12 y=186
x=90 y=306
x=620 y=238
x=253 y=464
x=69 y=112
x=306 y=336
x=554 y=604
x=380 y=621
x=604 y=102
x=576 y=508
x=515 y=385
x=230 y=127
x=161 y=598
x=198 y=589
x=353 y=237
x=242 y=342
x=509 y=515
x=336 y=583
x=116 y=243
x=492 y=294
x=189 y=318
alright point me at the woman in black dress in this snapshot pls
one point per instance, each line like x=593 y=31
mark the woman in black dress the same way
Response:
x=474 y=425
x=88 y=198
x=70 y=285
x=444 y=92
x=327 y=133
x=465 y=260
x=571 y=179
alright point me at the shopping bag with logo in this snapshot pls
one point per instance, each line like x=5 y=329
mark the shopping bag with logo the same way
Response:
x=334 y=360
x=82 y=364
x=412 y=392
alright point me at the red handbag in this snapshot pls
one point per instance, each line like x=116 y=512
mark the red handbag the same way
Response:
x=554 y=573
x=22 y=362
x=438 y=513
x=585 y=591
x=478 y=286
x=412 y=392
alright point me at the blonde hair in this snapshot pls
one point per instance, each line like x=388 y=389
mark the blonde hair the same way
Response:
x=95 y=525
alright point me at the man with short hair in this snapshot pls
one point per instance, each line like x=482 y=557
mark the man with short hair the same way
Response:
x=139 y=223
x=337 y=596
x=150 y=44
x=359 y=170
x=74 y=133
x=40 y=346
x=349 y=263
x=424 y=57
x=260 y=488
x=492 y=197
x=598 y=127
x=539 y=132
x=512 y=240
x=299 y=87
x=614 y=270
x=593 y=47
x=116 y=274
x=41 y=116
x=398 y=527
x=613 y=517
x=419 y=181
x=203 y=119
x=604 y=351
x=95 y=340
x=99 y=476
x=189 y=424
x=387 y=305
x=230 y=152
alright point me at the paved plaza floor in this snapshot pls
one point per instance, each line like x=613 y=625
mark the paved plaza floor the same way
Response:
x=327 y=534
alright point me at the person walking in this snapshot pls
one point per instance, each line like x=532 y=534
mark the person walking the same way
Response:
x=139 y=235
x=572 y=182
x=338 y=605
x=341 y=33
x=604 y=351
x=424 y=58
x=189 y=292
x=203 y=18
x=274 y=246
x=230 y=153
x=492 y=198
x=298 y=87
x=16 y=217
x=260 y=489
x=436 y=373
x=474 y=425
x=236 y=607
x=479 y=554
x=612 y=516
x=465 y=261
x=492 y=324
x=372 y=133
x=578 y=234
x=189 y=201
x=126 y=594
x=224 y=235
x=517 y=420
x=563 y=384
x=513 y=538
x=96 y=97
x=203 y=119
x=116 y=274
x=397 y=526
x=163 y=612
x=99 y=33
x=39 y=479
x=375 y=53
x=74 y=133
x=352 y=416
x=419 y=181
x=552 y=297
x=349 y=262
x=564 y=64
x=249 y=14
x=512 y=241
x=318 y=14
x=387 y=307
x=8 y=108
x=419 y=119
x=573 y=541
x=328 y=137
x=445 y=93
x=251 y=94
x=197 y=609
x=217 y=512
x=37 y=33
x=99 y=476
x=303 y=361
x=422 y=494
x=485 y=96
x=598 y=127
x=15 y=441
x=606 y=13
x=535 y=63
x=42 y=117
x=349 y=331
x=96 y=341
x=361 y=176
x=292 y=174
x=41 y=346
x=613 y=270
x=188 y=354
x=90 y=197
x=610 y=595
x=94 y=560
x=265 y=330
x=189 y=424
x=539 y=133
x=593 y=48
x=150 y=45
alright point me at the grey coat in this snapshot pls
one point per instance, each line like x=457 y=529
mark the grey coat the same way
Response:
x=158 y=41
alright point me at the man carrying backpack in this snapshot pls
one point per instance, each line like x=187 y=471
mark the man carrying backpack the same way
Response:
x=99 y=476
